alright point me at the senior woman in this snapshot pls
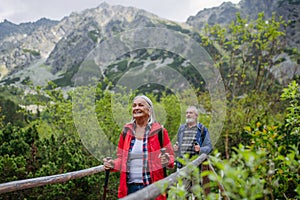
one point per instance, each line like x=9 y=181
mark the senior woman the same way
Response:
x=139 y=158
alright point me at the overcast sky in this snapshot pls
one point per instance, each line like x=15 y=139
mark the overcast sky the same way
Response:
x=18 y=11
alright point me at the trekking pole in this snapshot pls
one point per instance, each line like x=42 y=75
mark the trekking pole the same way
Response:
x=176 y=156
x=163 y=151
x=106 y=180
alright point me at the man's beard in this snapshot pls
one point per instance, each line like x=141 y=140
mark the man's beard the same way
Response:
x=189 y=120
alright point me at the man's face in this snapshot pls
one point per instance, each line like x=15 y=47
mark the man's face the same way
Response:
x=191 y=116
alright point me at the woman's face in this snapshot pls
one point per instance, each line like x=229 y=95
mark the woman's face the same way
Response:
x=140 y=108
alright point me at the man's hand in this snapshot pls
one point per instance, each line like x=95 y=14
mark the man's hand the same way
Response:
x=196 y=147
x=175 y=146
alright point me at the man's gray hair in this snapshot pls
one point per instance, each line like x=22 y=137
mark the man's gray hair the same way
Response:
x=194 y=109
x=149 y=102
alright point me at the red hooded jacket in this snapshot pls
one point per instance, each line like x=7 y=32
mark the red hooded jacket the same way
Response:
x=154 y=162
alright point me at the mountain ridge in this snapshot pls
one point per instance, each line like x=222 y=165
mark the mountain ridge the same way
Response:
x=60 y=46
x=8 y=28
x=226 y=12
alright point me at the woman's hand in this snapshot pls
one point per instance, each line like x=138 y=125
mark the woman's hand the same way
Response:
x=108 y=163
x=164 y=158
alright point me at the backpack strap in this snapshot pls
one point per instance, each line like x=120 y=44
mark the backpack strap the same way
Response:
x=161 y=138
x=180 y=133
x=161 y=142
x=124 y=133
x=202 y=134
x=180 y=138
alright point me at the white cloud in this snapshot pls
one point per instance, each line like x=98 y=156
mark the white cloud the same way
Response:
x=13 y=9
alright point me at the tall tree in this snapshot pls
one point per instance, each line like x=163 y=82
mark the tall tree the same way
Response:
x=248 y=53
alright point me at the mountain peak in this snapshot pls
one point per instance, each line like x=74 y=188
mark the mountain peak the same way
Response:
x=104 y=5
x=7 y=22
x=63 y=45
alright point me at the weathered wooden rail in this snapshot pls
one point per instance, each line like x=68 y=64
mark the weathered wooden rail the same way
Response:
x=59 y=178
x=154 y=190
x=149 y=192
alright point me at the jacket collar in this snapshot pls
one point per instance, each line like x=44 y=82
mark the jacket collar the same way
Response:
x=155 y=127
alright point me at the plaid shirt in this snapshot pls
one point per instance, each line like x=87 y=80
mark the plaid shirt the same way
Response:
x=146 y=173
x=188 y=140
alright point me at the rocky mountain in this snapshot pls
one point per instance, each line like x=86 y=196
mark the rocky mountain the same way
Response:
x=289 y=10
x=25 y=44
x=53 y=50
x=21 y=45
x=86 y=29
x=226 y=12
x=8 y=28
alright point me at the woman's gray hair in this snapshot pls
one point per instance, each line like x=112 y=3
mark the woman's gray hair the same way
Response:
x=149 y=102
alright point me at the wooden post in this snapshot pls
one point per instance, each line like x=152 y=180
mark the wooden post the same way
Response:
x=205 y=179
x=221 y=187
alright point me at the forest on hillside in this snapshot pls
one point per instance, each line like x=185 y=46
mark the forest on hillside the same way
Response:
x=257 y=151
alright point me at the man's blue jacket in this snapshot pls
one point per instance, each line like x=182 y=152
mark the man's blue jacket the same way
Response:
x=202 y=138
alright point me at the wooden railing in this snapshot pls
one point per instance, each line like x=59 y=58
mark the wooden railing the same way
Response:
x=149 y=192
x=154 y=190
x=59 y=178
